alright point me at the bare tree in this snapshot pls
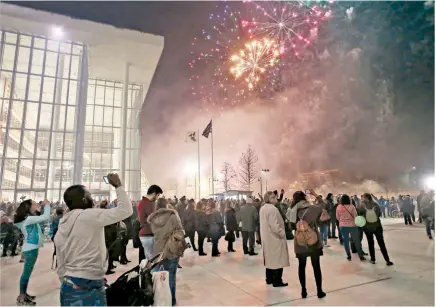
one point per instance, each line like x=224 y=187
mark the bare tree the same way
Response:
x=227 y=176
x=248 y=173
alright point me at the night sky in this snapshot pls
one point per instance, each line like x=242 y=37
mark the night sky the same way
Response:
x=371 y=118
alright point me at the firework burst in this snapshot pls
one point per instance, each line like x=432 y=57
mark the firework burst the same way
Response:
x=253 y=62
x=292 y=24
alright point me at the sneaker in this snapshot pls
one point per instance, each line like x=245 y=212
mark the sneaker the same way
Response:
x=362 y=258
x=430 y=237
x=389 y=263
x=253 y=254
x=372 y=261
x=349 y=258
x=30 y=297
x=326 y=245
x=25 y=302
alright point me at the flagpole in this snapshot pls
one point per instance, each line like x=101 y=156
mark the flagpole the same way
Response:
x=198 y=147
x=213 y=178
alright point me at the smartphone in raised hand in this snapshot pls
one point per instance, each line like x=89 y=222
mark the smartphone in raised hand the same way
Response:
x=105 y=179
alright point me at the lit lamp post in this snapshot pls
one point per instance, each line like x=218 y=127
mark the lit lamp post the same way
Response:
x=266 y=171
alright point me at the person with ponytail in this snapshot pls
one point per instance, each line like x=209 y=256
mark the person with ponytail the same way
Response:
x=28 y=220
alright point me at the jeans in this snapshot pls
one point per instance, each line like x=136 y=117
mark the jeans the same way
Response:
x=407 y=218
x=148 y=245
x=378 y=233
x=332 y=225
x=248 y=237
x=316 y=271
x=323 y=229
x=170 y=265
x=354 y=232
x=429 y=225
x=82 y=292
x=29 y=263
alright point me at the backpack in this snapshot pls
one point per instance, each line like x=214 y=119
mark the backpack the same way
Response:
x=371 y=215
x=176 y=245
x=304 y=234
x=324 y=216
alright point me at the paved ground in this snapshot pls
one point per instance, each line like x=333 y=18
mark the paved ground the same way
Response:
x=235 y=279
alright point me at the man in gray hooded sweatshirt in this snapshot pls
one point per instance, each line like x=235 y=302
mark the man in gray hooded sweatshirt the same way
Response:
x=80 y=245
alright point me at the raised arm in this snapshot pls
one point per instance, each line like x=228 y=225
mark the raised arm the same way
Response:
x=104 y=217
x=35 y=219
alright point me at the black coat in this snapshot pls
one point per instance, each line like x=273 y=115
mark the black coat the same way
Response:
x=189 y=220
x=201 y=222
x=231 y=223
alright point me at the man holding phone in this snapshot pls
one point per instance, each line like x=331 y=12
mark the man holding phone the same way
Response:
x=80 y=245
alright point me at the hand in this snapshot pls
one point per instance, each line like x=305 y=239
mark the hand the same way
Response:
x=114 y=180
x=46 y=202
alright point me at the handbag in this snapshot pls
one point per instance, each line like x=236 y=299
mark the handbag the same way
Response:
x=230 y=236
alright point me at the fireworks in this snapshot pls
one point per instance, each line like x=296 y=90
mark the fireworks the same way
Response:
x=292 y=24
x=251 y=53
x=254 y=61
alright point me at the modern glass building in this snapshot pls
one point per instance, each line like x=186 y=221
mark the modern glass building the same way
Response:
x=70 y=95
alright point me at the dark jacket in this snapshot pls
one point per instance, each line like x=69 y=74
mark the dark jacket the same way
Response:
x=249 y=217
x=201 y=222
x=189 y=220
x=129 y=225
x=312 y=218
x=216 y=225
x=231 y=223
x=361 y=210
x=180 y=208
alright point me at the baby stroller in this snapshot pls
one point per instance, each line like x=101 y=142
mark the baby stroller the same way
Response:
x=134 y=287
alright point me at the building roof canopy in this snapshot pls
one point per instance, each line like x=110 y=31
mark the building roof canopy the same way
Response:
x=109 y=47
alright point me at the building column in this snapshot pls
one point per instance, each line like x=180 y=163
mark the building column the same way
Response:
x=123 y=155
x=56 y=114
x=80 y=120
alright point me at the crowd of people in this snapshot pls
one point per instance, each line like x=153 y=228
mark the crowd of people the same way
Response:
x=88 y=242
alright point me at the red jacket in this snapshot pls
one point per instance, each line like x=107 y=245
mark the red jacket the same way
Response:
x=145 y=209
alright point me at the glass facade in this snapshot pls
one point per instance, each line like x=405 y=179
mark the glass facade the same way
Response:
x=41 y=85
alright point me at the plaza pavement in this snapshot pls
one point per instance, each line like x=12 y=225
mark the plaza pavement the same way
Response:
x=237 y=279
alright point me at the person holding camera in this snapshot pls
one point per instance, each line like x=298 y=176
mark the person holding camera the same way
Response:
x=81 y=247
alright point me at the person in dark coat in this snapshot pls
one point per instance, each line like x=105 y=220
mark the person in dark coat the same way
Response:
x=331 y=210
x=232 y=226
x=110 y=236
x=201 y=226
x=181 y=207
x=189 y=222
x=216 y=228
x=407 y=209
x=303 y=210
x=238 y=212
x=249 y=219
x=127 y=235
x=373 y=229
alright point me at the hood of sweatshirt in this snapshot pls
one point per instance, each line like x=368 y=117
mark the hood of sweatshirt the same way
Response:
x=160 y=217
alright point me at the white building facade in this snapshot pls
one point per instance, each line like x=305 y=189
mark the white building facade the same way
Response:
x=71 y=92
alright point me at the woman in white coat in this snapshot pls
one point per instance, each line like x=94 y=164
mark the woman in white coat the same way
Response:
x=274 y=246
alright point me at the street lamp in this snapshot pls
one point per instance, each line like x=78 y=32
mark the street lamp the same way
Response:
x=266 y=171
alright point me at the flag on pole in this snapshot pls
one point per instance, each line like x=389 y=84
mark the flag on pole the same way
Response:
x=191 y=137
x=208 y=130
